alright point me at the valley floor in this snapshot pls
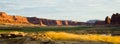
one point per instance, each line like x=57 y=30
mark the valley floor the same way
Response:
x=60 y=35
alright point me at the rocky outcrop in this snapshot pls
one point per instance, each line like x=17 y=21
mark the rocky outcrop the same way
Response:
x=4 y=18
x=33 y=20
x=107 y=20
x=7 y=19
x=115 y=19
x=20 y=19
x=41 y=21
x=59 y=22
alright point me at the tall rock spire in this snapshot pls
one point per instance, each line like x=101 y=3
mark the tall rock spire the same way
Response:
x=107 y=20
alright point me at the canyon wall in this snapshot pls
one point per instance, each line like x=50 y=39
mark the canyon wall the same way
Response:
x=18 y=20
x=7 y=19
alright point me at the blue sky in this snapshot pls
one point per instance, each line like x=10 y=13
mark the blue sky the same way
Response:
x=77 y=10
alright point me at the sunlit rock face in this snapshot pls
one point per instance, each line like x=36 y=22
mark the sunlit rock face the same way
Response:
x=59 y=22
x=20 y=19
x=4 y=18
x=3 y=14
x=107 y=20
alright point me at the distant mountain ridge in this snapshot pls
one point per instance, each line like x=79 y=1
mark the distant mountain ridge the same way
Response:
x=20 y=20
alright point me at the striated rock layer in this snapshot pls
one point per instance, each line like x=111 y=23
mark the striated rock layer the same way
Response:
x=16 y=20
x=20 y=20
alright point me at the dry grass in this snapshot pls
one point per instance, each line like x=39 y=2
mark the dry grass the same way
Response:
x=89 y=37
x=63 y=36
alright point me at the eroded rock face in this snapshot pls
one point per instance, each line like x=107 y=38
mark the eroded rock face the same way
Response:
x=33 y=20
x=65 y=22
x=107 y=20
x=59 y=22
x=42 y=22
x=3 y=14
x=4 y=18
x=20 y=19
x=115 y=19
x=15 y=20
x=49 y=22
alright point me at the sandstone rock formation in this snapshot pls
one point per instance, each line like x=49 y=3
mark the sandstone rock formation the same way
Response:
x=49 y=22
x=4 y=18
x=41 y=21
x=33 y=20
x=7 y=19
x=107 y=20
x=66 y=22
x=115 y=19
x=18 y=20
x=58 y=22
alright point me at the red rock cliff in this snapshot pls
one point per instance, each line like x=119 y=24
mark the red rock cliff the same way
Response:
x=4 y=18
